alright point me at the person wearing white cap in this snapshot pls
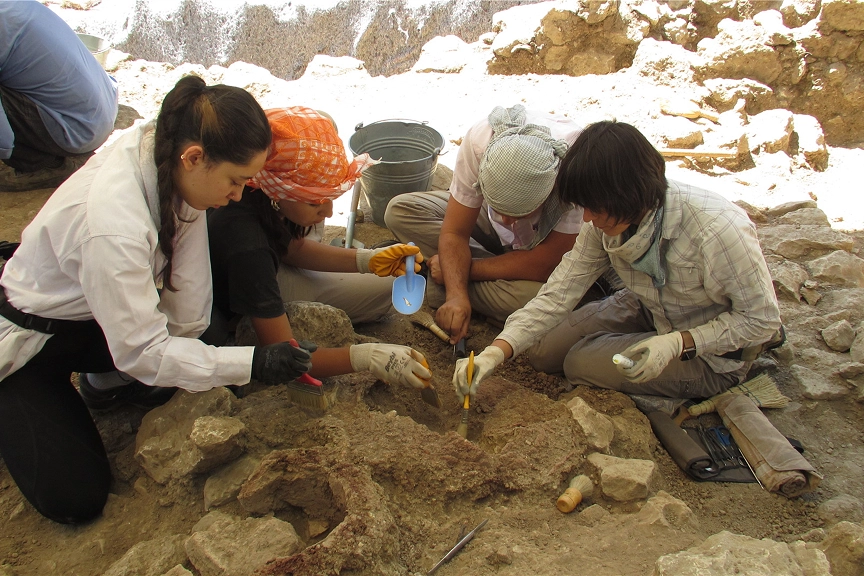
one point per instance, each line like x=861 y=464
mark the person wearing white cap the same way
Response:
x=493 y=240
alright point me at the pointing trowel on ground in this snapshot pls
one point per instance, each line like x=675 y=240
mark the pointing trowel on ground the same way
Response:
x=428 y=393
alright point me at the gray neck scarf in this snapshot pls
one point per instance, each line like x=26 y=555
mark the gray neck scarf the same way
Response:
x=646 y=249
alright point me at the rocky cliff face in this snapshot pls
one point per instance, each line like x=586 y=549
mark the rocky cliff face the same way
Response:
x=284 y=35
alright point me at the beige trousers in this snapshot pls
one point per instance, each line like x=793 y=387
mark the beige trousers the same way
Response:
x=417 y=217
x=364 y=297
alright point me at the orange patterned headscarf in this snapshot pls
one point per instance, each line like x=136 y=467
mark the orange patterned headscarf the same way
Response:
x=307 y=160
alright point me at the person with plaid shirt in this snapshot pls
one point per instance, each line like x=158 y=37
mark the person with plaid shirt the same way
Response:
x=698 y=292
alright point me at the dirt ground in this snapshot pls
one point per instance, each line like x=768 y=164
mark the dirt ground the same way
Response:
x=526 y=533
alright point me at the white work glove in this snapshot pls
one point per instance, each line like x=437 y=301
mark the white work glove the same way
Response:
x=391 y=363
x=388 y=261
x=656 y=353
x=484 y=364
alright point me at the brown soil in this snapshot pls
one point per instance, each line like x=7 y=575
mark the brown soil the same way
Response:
x=404 y=459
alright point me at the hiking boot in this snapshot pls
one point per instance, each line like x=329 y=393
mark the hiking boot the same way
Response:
x=14 y=181
x=135 y=394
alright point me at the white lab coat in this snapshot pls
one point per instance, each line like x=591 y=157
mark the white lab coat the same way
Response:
x=92 y=253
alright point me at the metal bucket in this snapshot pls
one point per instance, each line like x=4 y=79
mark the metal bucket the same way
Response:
x=408 y=151
x=97 y=46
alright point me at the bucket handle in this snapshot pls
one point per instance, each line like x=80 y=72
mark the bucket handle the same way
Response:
x=436 y=152
x=424 y=122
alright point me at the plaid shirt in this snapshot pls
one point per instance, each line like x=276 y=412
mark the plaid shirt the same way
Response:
x=718 y=286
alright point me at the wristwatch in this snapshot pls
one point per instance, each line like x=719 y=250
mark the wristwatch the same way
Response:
x=689 y=346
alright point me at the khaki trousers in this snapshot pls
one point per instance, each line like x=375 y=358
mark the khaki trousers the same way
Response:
x=583 y=344
x=417 y=217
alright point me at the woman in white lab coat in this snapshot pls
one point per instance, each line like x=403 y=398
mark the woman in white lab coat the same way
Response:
x=114 y=274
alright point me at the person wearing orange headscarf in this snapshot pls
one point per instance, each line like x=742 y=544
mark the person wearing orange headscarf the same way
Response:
x=265 y=250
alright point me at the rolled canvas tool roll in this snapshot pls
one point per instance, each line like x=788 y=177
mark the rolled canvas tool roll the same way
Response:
x=686 y=453
x=775 y=462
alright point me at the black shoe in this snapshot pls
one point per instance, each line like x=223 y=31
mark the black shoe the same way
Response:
x=15 y=181
x=136 y=394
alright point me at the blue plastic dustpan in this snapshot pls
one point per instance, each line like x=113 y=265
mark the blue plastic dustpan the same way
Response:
x=409 y=290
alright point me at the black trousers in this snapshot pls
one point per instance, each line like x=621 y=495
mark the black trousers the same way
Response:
x=48 y=439
x=34 y=148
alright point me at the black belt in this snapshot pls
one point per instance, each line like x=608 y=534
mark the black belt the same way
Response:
x=32 y=321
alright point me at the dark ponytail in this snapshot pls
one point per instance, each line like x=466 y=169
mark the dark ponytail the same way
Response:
x=225 y=121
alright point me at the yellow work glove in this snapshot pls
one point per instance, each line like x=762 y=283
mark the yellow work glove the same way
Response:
x=391 y=363
x=651 y=355
x=388 y=261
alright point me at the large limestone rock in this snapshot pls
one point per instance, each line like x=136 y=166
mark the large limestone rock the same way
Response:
x=797 y=241
x=622 y=479
x=150 y=557
x=816 y=386
x=574 y=38
x=240 y=547
x=844 y=547
x=190 y=434
x=663 y=509
x=598 y=428
x=838 y=268
x=726 y=553
x=740 y=50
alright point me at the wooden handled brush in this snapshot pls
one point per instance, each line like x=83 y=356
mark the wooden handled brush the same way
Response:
x=462 y=428
x=580 y=487
x=761 y=389
x=425 y=320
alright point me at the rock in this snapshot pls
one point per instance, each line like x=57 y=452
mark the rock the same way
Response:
x=663 y=62
x=798 y=241
x=856 y=351
x=842 y=15
x=756 y=215
x=839 y=336
x=726 y=553
x=442 y=178
x=178 y=570
x=788 y=207
x=844 y=548
x=772 y=22
x=677 y=132
x=788 y=278
x=849 y=300
x=218 y=438
x=842 y=507
x=225 y=484
x=770 y=131
x=839 y=268
x=850 y=370
x=499 y=556
x=739 y=50
x=805 y=217
x=798 y=12
x=444 y=54
x=164 y=445
x=592 y=515
x=325 y=325
x=323 y=66
x=150 y=557
x=816 y=386
x=241 y=547
x=598 y=428
x=726 y=92
x=622 y=479
x=811 y=559
x=811 y=141
x=664 y=509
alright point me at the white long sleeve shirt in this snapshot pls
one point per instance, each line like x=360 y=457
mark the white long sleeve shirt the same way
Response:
x=92 y=253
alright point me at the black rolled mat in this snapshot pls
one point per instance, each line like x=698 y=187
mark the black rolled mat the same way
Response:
x=690 y=454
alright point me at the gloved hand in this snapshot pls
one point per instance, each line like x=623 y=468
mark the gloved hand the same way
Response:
x=656 y=353
x=388 y=261
x=484 y=364
x=391 y=363
x=281 y=362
